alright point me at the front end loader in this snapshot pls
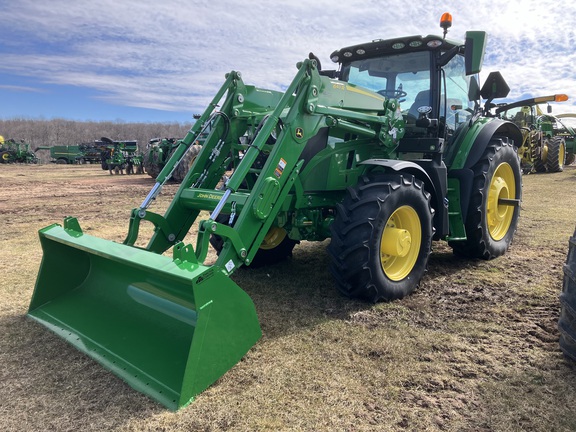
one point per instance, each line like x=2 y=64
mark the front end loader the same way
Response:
x=384 y=155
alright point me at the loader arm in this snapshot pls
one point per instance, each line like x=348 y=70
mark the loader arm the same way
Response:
x=310 y=103
x=171 y=326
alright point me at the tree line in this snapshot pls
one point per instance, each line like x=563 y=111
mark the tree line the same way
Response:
x=69 y=132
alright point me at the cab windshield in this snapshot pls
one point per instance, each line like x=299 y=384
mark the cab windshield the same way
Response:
x=405 y=77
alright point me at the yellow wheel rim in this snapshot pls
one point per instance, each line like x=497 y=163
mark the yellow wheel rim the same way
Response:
x=400 y=243
x=544 y=155
x=499 y=216
x=561 y=155
x=5 y=156
x=274 y=237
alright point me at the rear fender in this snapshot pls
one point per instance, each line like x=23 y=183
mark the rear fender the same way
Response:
x=469 y=147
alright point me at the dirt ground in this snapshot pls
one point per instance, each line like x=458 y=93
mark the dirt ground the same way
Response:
x=474 y=348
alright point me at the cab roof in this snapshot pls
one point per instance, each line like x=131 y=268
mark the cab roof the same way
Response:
x=380 y=47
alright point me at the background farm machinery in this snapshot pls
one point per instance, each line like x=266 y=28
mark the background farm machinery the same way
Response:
x=566 y=129
x=74 y=154
x=12 y=151
x=120 y=156
x=159 y=152
x=548 y=142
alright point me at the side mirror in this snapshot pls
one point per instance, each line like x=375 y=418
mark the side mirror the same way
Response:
x=473 y=89
x=495 y=87
x=475 y=46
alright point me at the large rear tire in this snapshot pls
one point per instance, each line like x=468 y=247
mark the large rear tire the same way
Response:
x=104 y=156
x=491 y=221
x=539 y=166
x=381 y=237
x=567 y=320
x=185 y=164
x=152 y=165
x=556 y=154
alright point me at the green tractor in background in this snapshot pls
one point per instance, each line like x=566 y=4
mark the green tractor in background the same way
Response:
x=120 y=156
x=567 y=131
x=159 y=152
x=386 y=154
x=548 y=144
x=12 y=151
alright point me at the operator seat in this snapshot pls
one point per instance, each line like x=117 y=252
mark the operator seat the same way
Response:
x=422 y=99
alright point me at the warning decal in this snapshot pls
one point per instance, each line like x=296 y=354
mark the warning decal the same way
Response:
x=280 y=168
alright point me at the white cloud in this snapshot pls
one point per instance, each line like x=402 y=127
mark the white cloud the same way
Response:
x=21 y=89
x=173 y=55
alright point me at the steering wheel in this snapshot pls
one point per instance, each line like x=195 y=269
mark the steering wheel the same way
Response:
x=395 y=94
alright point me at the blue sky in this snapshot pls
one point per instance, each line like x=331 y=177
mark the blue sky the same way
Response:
x=149 y=61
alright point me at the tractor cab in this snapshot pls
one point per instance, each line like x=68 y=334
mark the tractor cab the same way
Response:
x=434 y=79
x=409 y=70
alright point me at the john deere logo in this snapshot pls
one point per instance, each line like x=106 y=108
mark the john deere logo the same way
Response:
x=299 y=133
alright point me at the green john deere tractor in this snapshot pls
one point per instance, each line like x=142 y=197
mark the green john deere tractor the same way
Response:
x=159 y=152
x=547 y=142
x=383 y=155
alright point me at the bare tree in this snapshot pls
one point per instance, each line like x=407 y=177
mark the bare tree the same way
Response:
x=57 y=131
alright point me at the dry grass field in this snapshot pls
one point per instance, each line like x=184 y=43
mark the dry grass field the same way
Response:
x=475 y=348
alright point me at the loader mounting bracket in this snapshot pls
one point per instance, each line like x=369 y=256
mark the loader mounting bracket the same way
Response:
x=159 y=222
x=208 y=227
x=183 y=252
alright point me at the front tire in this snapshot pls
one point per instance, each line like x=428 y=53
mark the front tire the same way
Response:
x=567 y=319
x=495 y=204
x=381 y=237
x=275 y=247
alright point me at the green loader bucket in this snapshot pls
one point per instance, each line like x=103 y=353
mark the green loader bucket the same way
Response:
x=168 y=327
